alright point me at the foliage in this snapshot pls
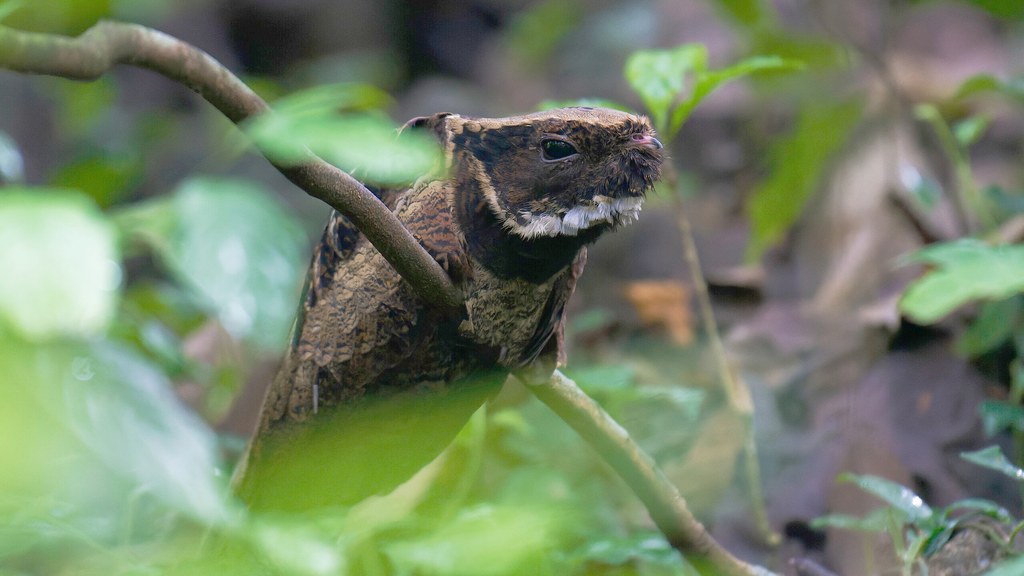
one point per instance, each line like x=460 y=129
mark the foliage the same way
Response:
x=673 y=82
x=916 y=529
x=963 y=271
x=798 y=162
x=313 y=119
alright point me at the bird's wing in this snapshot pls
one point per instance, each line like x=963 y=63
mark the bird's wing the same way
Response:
x=552 y=320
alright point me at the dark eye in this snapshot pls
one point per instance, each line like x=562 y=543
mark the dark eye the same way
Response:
x=556 y=149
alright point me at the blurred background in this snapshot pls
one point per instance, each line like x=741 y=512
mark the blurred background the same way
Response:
x=147 y=252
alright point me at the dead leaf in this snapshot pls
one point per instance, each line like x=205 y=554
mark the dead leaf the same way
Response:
x=663 y=304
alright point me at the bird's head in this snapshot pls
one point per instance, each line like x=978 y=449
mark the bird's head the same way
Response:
x=558 y=172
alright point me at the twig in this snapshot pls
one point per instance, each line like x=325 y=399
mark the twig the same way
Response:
x=736 y=390
x=108 y=44
x=666 y=506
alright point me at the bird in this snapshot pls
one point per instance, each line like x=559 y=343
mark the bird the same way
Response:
x=374 y=374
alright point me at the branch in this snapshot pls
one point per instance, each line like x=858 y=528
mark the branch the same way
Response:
x=107 y=44
x=666 y=506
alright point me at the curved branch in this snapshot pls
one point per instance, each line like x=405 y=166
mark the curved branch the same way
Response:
x=107 y=44
x=666 y=506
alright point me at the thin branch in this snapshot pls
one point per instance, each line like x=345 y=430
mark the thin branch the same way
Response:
x=736 y=391
x=666 y=506
x=108 y=44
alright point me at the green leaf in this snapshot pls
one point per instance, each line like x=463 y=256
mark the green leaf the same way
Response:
x=965 y=270
x=333 y=122
x=993 y=326
x=993 y=459
x=899 y=497
x=481 y=541
x=797 y=164
x=659 y=77
x=104 y=178
x=749 y=13
x=986 y=507
x=105 y=450
x=297 y=549
x=235 y=246
x=647 y=547
x=877 y=521
x=60 y=263
x=997 y=415
x=707 y=83
x=536 y=32
x=984 y=83
x=12 y=165
x=968 y=131
x=1006 y=9
x=8 y=7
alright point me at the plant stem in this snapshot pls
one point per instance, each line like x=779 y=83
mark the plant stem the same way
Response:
x=666 y=506
x=108 y=44
x=735 y=389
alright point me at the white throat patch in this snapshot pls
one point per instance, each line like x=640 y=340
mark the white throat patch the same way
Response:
x=618 y=211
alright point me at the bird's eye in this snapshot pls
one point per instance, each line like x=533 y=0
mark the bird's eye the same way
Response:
x=553 y=149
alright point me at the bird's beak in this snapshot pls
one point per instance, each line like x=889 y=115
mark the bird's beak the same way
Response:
x=648 y=141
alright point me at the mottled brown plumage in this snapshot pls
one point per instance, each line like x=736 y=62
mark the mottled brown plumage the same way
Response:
x=508 y=217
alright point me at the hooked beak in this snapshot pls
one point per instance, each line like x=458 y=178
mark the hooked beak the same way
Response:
x=648 y=141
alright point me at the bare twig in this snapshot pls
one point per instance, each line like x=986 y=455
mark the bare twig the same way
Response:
x=736 y=391
x=108 y=44
x=666 y=506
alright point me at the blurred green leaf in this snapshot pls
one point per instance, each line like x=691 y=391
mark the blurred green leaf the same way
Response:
x=66 y=17
x=993 y=459
x=235 y=245
x=585 y=102
x=104 y=451
x=81 y=106
x=707 y=83
x=968 y=131
x=7 y=7
x=597 y=378
x=998 y=415
x=659 y=77
x=334 y=123
x=896 y=495
x=984 y=83
x=12 y=164
x=104 y=178
x=1006 y=9
x=749 y=13
x=995 y=323
x=480 y=541
x=61 y=262
x=965 y=270
x=646 y=547
x=663 y=77
x=297 y=549
x=536 y=32
x=797 y=164
x=876 y=521
x=814 y=53
x=986 y=507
